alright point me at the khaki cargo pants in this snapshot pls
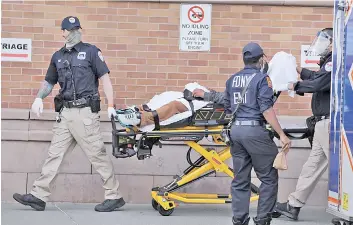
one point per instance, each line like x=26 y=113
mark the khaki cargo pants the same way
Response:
x=78 y=126
x=314 y=167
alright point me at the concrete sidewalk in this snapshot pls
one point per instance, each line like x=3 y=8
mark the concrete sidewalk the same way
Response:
x=133 y=214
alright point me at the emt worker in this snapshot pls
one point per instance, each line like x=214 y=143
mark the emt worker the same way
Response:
x=251 y=143
x=77 y=67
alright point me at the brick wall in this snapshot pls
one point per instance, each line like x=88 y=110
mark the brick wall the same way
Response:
x=140 y=43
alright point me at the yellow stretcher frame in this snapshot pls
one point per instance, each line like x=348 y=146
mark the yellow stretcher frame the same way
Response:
x=165 y=203
x=165 y=199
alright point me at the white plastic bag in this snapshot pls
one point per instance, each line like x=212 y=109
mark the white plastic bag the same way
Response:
x=282 y=70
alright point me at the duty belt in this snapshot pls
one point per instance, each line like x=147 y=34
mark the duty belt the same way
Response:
x=248 y=123
x=319 y=118
x=79 y=103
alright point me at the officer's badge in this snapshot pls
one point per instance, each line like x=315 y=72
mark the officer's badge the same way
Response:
x=269 y=82
x=100 y=56
x=72 y=20
x=81 y=55
x=328 y=67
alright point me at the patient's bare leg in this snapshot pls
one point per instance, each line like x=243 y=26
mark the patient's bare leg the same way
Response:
x=163 y=112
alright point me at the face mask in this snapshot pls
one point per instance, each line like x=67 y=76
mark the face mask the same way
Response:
x=264 y=67
x=320 y=45
x=73 y=38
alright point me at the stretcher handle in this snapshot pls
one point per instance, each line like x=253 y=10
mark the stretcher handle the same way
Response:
x=295 y=130
x=288 y=132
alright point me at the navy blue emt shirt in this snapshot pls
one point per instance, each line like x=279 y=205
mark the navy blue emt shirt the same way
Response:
x=87 y=66
x=258 y=97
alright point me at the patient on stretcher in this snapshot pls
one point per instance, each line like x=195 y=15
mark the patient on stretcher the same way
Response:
x=145 y=116
x=171 y=107
x=168 y=107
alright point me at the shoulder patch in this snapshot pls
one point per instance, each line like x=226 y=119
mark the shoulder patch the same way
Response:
x=328 y=67
x=100 y=56
x=269 y=82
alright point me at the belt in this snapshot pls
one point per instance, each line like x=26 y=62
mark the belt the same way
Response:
x=248 y=123
x=79 y=103
x=319 y=118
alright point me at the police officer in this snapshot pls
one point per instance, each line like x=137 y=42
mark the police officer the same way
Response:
x=77 y=67
x=251 y=144
x=318 y=83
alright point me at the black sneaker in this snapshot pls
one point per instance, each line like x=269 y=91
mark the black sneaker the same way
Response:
x=238 y=222
x=110 y=205
x=262 y=221
x=30 y=200
x=288 y=210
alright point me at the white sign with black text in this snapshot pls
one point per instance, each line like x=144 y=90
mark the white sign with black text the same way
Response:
x=16 y=49
x=308 y=61
x=195 y=27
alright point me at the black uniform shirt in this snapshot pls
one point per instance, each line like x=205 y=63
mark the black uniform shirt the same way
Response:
x=258 y=97
x=318 y=83
x=87 y=65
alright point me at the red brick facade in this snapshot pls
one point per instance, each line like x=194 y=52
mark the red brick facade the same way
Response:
x=139 y=41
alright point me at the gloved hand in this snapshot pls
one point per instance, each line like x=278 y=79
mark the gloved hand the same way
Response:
x=111 y=111
x=37 y=106
x=198 y=93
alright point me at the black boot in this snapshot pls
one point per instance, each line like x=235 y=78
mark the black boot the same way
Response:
x=276 y=214
x=110 y=205
x=30 y=200
x=288 y=210
x=262 y=221
x=238 y=222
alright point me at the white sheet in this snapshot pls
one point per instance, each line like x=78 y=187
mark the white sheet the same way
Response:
x=282 y=70
x=162 y=99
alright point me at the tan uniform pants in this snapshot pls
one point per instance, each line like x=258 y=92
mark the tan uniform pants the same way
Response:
x=164 y=112
x=82 y=127
x=314 y=167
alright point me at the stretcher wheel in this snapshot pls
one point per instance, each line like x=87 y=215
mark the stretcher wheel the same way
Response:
x=164 y=212
x=155 y=204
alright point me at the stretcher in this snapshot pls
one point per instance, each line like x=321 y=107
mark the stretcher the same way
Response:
x=208 y=122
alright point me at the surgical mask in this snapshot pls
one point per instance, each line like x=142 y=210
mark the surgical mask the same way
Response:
x=73 y=38
x=264 y=67
x=321 y=45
